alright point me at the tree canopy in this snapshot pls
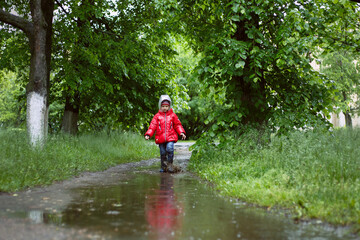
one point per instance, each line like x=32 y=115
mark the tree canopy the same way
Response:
x=249 y=63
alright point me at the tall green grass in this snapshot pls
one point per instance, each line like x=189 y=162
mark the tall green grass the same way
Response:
x=64 y=156
x=317 y=175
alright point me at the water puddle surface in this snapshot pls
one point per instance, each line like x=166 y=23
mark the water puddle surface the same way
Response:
x=178 y=206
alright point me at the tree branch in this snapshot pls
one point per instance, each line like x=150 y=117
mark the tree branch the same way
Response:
x=63 y=9
x=17 y=22
x=103 y=21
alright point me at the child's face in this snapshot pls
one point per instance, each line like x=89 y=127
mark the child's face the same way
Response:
x=164 y=108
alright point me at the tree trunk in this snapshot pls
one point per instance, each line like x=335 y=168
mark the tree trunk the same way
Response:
x=39 y=81
x=71 y=116
x=348 y=121
x=72 y=102
x=250 y=97
x=39 y=32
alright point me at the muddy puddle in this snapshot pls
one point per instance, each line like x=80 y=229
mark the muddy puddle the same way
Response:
x=164 y=206
x=144 y=204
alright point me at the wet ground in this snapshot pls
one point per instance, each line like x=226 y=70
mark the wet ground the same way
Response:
x=135 y=201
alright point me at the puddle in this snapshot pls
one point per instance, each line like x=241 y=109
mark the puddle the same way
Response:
x=165 y=206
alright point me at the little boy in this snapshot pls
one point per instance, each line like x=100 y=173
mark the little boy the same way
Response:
x=167 y=127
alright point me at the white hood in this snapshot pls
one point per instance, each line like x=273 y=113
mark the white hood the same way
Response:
x=164 y=97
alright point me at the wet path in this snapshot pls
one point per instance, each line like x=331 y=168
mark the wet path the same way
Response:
x=144 y=204
x=176 y=207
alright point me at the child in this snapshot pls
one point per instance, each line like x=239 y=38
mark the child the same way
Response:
x=167 y=127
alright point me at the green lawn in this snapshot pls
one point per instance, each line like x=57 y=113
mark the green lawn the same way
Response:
x=65 y=156
x=316 y=175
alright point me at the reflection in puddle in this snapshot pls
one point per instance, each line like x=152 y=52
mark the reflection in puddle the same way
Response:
x=36 y=216
x=163 y=212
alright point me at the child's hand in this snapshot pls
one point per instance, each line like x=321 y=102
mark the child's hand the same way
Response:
x=147 y=137
x=183 y=136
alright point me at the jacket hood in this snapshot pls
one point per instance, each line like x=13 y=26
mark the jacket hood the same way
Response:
x=164 y=97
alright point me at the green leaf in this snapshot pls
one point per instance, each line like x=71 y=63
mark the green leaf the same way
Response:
x=235 y=7
x=235 y=18
x=240 y=64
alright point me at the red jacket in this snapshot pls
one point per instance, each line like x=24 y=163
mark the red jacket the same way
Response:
x=167 y=127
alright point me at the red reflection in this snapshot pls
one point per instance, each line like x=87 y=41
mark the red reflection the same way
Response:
x=163 y=212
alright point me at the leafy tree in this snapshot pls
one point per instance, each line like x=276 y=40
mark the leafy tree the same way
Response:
x=342 y=68
x=111 y=61
x=338 y=39
x=258 y=54
x=114 y=64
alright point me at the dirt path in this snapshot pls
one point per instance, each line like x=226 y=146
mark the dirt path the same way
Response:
x=21 y=213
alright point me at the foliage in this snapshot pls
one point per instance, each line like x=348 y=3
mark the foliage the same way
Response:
x=111 y=60
x=335 y=25
x=315 y=174
x=342 y=68
x=12 y=97
x=258 y=54
x=250 y=62
x=272 y=62
x=14 y=74
x=14 y=49
x=64 y=156
x=195 y=112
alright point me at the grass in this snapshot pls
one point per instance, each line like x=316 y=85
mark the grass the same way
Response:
x=65 y=156
x=316 y=175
